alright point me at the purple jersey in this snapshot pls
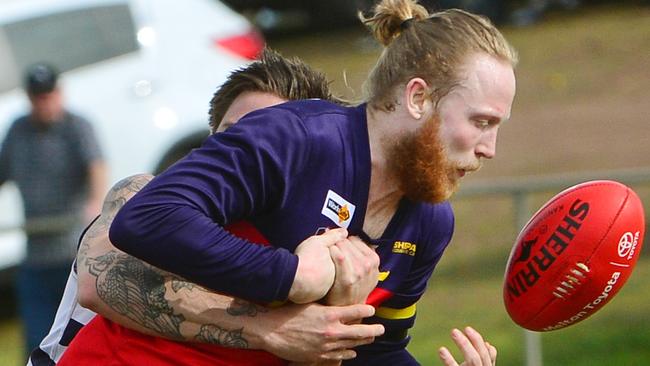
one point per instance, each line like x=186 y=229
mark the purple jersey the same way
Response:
x=291 y=170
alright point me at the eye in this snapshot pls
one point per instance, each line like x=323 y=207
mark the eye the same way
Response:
x=482 y=123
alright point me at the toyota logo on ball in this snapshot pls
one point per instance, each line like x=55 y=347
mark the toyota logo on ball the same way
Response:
x=625 y=244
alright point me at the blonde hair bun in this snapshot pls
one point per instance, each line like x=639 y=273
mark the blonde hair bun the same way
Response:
x=389 y=17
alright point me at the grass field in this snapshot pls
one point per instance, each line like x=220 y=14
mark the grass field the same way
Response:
x=582 y=105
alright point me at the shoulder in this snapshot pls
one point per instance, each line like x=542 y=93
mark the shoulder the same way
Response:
x=18 y=127
x=311 y=107
x=19 y=123
x=441 y=213
x=78 y=126
x=317 y=111
x=294 y=128
x=287 y=122
x=304 y=113
x=124 y=190
x=329 y=125
x=76 y=120
x=436 y=220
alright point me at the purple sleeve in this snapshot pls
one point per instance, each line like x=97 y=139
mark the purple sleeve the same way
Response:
x=176 y=221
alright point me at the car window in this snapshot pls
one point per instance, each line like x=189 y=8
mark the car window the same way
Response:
x=67 y=40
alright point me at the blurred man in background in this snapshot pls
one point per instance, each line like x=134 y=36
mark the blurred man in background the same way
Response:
x=53 y=157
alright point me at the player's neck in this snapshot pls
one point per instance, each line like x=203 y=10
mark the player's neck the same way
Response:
x=384 y=128
x=378 y=215
x=383 y=199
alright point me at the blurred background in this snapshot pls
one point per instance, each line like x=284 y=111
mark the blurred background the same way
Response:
x=580 y=113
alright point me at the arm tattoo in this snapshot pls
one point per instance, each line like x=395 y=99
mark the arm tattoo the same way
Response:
x=240 y=307
x=136 y=290
x=133 y=289
x=121 y=192
x=178 y=284
x=211 y=333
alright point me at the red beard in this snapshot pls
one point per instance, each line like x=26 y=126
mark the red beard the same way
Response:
x=421 y=166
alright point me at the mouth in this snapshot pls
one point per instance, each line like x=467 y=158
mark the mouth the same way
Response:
x=466 y=170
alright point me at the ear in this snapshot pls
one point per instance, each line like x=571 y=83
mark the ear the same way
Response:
x=417 y=99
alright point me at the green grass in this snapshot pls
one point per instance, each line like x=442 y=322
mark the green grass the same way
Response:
x=11 y=348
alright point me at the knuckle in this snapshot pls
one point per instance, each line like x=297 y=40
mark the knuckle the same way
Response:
x=473 y=359
x=331 y=317
x=330 y=334
x=328 y=347
x=368 y=265
x=375 y=258
x=366 y=340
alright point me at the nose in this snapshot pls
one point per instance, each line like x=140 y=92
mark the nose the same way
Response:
x=487 y=145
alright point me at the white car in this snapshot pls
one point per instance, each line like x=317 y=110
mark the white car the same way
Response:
x=142 y=71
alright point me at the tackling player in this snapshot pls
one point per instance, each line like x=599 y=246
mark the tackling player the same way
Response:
x=157 y=303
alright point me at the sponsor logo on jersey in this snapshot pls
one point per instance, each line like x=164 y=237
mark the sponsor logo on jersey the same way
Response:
x=404 y=247
x=338 y=209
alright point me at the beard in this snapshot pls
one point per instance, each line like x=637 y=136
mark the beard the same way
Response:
x=420 y=164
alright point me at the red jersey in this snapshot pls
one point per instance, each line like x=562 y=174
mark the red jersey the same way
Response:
x=103 y=342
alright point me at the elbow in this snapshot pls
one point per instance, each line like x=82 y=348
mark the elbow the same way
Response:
x=87 y=293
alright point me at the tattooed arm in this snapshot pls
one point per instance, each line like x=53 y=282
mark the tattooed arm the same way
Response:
x=147 y=299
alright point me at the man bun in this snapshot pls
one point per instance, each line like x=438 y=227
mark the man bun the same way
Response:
x=391 y=17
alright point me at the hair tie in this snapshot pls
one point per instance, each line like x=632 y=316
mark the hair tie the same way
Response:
x=406 y=23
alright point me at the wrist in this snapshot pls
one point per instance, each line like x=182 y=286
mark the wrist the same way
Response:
x=262 y=330
x=310 y=284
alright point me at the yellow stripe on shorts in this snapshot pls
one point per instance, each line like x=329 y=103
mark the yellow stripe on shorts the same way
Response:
x=391 y=313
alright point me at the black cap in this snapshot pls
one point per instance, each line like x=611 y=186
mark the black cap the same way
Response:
x=40 y=78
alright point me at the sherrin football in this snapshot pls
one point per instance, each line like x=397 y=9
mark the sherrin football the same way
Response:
x=574 y=255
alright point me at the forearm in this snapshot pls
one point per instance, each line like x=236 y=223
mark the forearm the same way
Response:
x=146 y=299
